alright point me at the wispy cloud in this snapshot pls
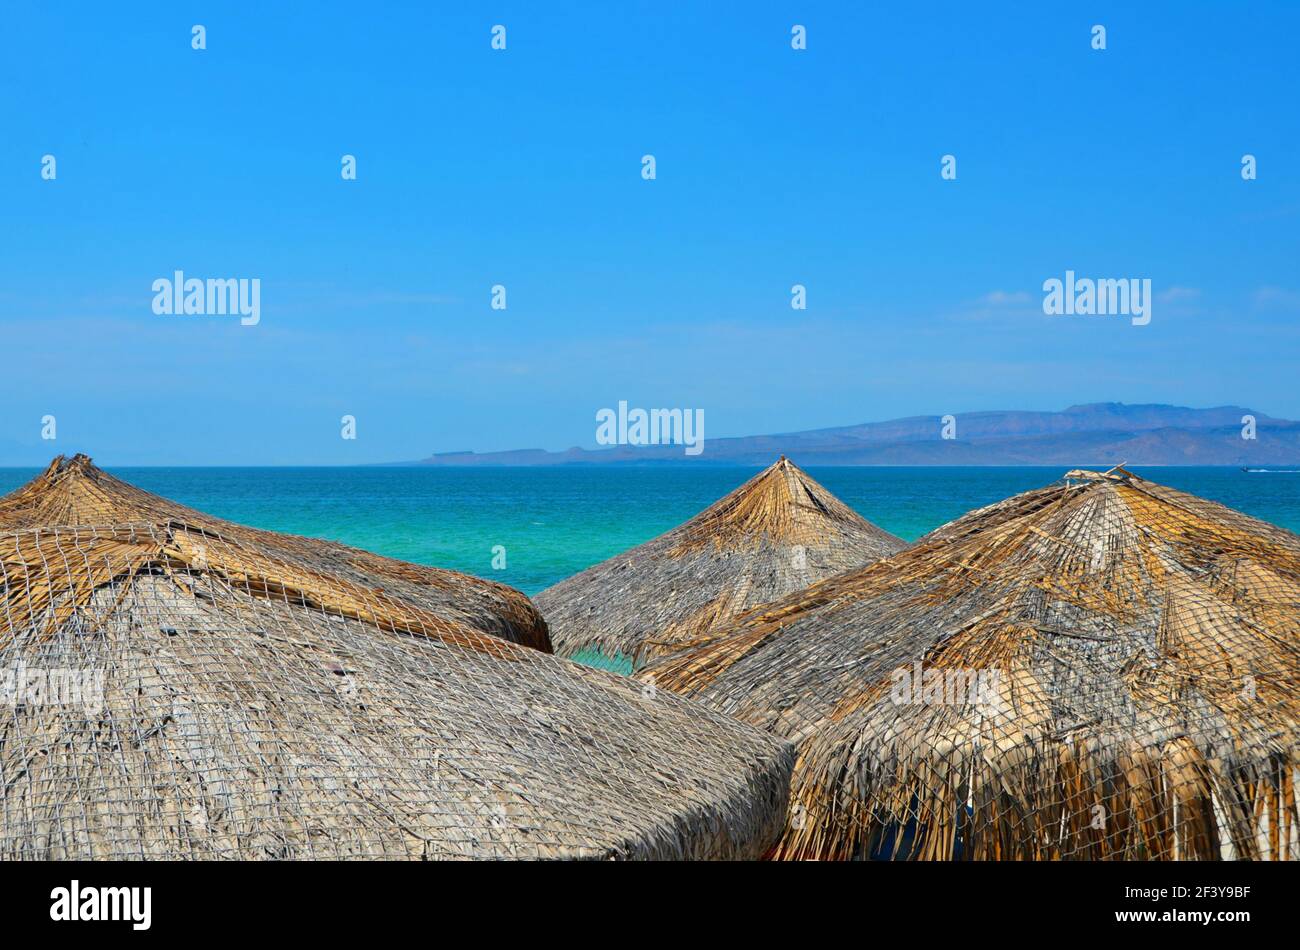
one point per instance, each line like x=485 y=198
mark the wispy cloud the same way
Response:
x=351 y=300
x=1178 y=294
x=1277 y=298
x=1005 y=298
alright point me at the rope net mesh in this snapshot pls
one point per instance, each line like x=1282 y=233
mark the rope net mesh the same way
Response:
x=772 y=536
x=1101 y=669
x=175 y=690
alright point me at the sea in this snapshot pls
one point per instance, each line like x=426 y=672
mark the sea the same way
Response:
x=532 y=527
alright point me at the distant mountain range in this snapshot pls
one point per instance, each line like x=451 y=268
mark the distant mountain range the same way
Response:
x=1100 y=434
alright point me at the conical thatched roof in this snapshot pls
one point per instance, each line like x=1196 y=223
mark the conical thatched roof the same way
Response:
x=774 y=535
x=1104 y=668
x=174 y=686
x=73 y=492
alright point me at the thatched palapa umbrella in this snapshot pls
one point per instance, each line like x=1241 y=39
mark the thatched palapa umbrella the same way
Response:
x=1104 y=668
x=74 y=492
x=176 y=686
x=774 y=535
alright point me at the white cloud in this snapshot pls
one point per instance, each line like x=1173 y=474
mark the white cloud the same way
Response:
x=1003 y=298
x=1279 y=298
x=1178 y=294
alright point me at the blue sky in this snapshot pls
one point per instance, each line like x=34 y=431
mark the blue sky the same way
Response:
x=775 y=167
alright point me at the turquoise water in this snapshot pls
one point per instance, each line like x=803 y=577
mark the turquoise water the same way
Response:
x=553 y=522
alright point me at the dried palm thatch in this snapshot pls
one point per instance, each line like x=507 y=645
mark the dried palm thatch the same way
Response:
x=1101 y=669
x=73 y=492
x=774 y=535
x=173 y=686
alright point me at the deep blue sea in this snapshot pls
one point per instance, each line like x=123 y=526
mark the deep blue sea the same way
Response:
x=553 y=522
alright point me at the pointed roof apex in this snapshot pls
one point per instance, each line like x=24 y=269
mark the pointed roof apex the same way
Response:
x=775 y=534
x=782 y=503
x=1117 y=474
x=74 y=491
x=80 y=464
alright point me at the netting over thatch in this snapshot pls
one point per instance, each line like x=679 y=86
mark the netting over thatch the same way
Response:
x=1104 y=668
x=772 y=536
x=172 y=686
x=73 y=492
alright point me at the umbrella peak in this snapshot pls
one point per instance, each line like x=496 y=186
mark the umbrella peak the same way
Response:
x=76 y=467
x=775 y=534
x=1117 y=474
x=782 y=503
